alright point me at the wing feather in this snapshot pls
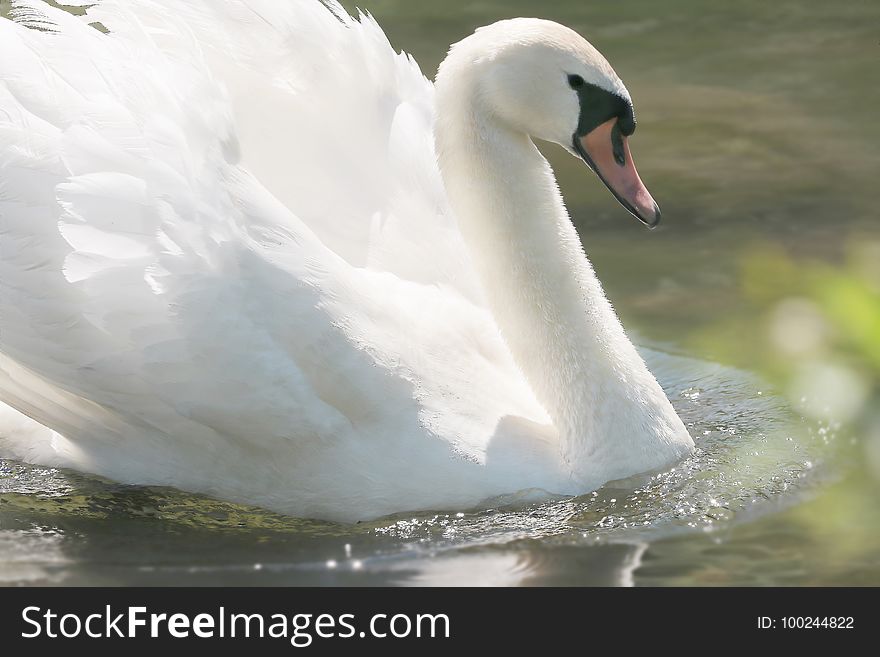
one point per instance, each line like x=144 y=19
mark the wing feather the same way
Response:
x=222 y=230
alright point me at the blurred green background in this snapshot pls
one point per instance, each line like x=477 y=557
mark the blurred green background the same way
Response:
x=758 y=134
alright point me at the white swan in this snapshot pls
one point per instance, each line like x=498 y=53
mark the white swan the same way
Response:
x=232 y=264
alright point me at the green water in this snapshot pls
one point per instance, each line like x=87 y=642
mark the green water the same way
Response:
x=757 y=123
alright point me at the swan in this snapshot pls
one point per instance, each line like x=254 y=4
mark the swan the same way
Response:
x=250 y=251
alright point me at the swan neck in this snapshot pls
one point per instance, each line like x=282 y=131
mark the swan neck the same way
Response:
x=544 y=294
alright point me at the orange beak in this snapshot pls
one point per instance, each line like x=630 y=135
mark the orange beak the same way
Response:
x=606 y=151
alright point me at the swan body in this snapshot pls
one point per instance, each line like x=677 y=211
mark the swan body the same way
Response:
x=249 y=251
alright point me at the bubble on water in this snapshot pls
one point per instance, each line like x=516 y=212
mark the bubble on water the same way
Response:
x=691 y=393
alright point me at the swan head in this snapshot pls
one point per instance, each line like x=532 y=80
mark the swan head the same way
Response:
x=545 y=80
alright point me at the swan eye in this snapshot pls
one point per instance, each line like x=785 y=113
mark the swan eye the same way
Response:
x=575 y=81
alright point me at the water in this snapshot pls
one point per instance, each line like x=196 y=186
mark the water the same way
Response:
x=756 y=123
